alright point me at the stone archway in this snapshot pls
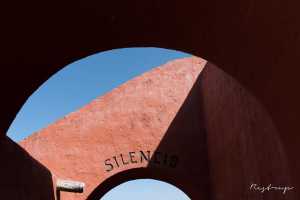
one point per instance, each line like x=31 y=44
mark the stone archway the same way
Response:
x=247 y=39
x=132 y=174
x=186 y=122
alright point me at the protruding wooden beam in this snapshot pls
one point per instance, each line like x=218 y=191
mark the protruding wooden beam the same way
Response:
x=70 y=186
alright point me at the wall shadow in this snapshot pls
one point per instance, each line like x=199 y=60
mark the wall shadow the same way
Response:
x=219 y=143
x=248 y=39
x=223 y=141
x=181 y=158
x=23 y=177
x=185 y=147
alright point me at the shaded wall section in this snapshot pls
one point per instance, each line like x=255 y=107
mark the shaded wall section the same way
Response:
x=257 y=42
x=106 y=136
x=22 y=177
x=186 y=122
x=226 y=141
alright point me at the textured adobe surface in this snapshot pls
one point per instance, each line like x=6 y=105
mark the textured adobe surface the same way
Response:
x=248 y=39
x=197 y=123
x=132 y=117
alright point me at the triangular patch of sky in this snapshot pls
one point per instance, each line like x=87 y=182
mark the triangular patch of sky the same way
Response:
x=82 y=81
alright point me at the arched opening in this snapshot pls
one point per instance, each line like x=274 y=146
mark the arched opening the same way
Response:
x=141 y=178
x=239 y=35
x=186 y=109
x=176 y=69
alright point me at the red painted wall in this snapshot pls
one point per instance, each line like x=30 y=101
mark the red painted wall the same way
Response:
x=257 y=42
x=206 y=134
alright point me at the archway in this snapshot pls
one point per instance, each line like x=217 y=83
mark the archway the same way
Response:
x=133 y=174
x=186 y=119
x=247 y=39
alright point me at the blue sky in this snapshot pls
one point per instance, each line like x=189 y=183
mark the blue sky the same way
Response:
x=82 y=81
x=145 y=189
